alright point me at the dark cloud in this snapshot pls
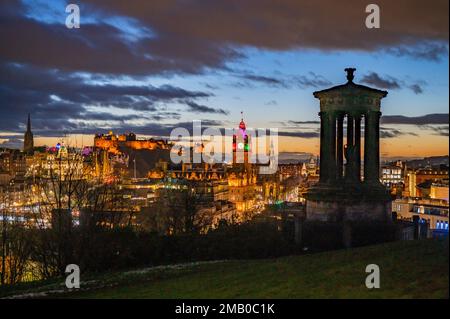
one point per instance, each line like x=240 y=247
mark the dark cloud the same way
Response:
x=389 y=133
x=437 y=118
x=197 y=108
x=391 y=83
x=392 y=132
x=311 y=80
x=288 y=24
x=439 y=130
x=102 y=48
x=416 y=88
x=210 y=86
x=270 y=81
x=434 y=51
x=301 y=134
x=303 y=122
x=387 y=82
x=195 y=35
x=56 y=100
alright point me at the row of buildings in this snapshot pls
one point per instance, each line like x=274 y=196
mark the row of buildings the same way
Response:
x=144 y=177
x=419 y=190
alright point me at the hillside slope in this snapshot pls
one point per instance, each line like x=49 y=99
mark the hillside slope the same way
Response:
x=415 y=269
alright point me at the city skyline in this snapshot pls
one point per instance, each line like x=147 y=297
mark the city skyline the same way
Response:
x=224 y=149
x=144 y=74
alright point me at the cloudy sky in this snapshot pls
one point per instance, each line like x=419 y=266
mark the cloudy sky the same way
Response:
x=150 y=66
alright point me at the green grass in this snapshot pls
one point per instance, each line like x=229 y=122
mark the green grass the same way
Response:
x=413 y=269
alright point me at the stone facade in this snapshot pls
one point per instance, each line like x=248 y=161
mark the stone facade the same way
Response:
x=361 y=210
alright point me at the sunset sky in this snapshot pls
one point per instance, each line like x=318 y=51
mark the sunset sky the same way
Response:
x=150 y=66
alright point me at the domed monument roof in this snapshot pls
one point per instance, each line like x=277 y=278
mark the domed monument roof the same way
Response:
x=350 y=96
x=349 y=87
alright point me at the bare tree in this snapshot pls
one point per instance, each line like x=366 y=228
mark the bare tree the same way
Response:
x=59 y=191
x=16 y=243
x=177 y=211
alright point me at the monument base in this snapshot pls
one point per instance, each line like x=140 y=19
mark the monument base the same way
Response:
x=348 y=202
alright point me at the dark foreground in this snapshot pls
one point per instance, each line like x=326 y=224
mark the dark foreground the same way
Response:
x=413 y=269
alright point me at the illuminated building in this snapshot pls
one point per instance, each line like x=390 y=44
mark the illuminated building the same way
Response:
x=202 y=199
x=311 y=167
x=290 y=170
x=242 y=176
x=60 y=162
x=269 y=187
x=391 y=175
x=241 y=146
x=439 y=191
x=413 y=178
x=13 y=162
x=433 y=211
x=5 y=177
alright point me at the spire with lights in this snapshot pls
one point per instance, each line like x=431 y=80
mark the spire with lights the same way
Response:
x=241 y=141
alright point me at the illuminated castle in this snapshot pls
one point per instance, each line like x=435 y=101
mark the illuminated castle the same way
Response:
x=112 y=143
x=125 y=155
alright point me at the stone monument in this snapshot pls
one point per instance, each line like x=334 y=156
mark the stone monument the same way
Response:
x=343 y=192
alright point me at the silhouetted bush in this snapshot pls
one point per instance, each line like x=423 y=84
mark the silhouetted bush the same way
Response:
x=102 y=249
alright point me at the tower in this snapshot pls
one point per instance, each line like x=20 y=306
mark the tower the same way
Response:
x=343 y=193
x=28 y=144
x=241 y=146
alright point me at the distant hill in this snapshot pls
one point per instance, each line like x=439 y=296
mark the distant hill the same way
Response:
x=294 y=157
x=428 y=161
x=432 y=161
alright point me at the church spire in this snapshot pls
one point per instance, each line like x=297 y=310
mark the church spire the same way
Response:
x=28 y=143
x=29 y=123
x=242 y=123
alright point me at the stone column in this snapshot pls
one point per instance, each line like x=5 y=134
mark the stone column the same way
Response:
x=332 y=151
x=358 y=145
x=372 y=147
x=327 y=147
x=348 y=143
x=340 y=146
x=322 y=168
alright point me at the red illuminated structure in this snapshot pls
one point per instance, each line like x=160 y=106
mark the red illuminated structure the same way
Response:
x=241 y=146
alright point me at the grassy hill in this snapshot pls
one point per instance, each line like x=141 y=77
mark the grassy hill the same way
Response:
x=413 y=269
